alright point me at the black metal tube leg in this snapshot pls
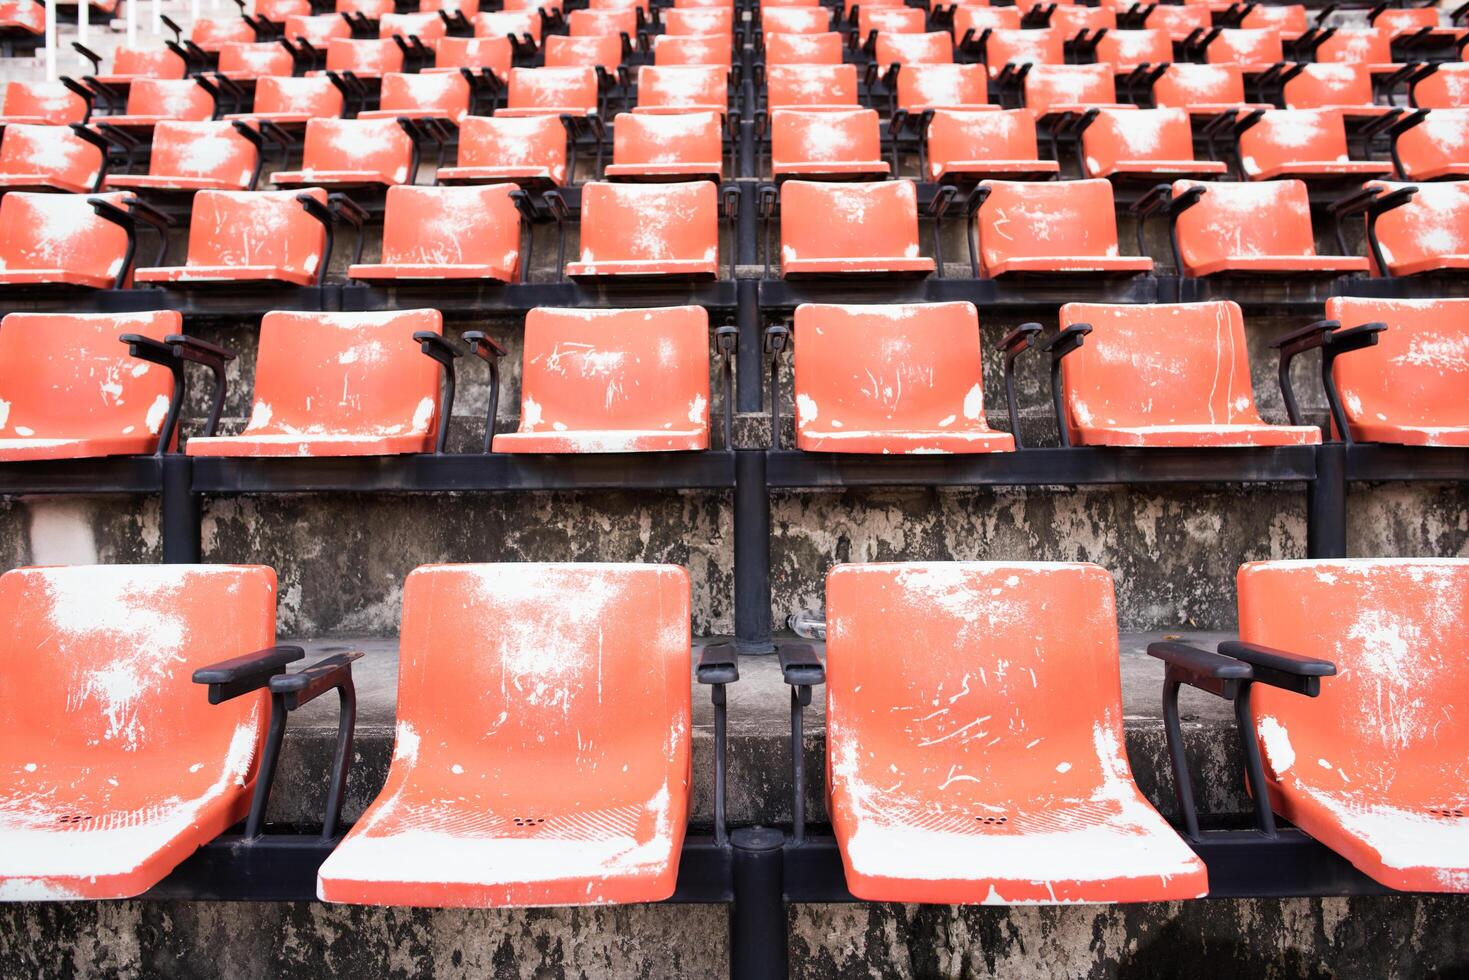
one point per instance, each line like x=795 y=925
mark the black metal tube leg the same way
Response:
x=1326 y=504
x=180 y=507
x=265 y=774
x=341 y=760
x=752 y=553
x=757 y=920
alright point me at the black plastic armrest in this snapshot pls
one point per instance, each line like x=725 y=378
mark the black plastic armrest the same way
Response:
x=1404 y=121
x=308 y=684
x=348 y=210
x=436 y=345
x=944 y=196
x=1281 y=668
x=777 y=340
x=200 y=351
x=799 y=665
x=1296 y=342
x=248 y=672
x=1066 y=341
x=1155 y=198
x=86 y=93
x=89 y=54
x=483 y=346
x=729 y=201
x=1356 y=203
x=719 y=663
x=1015 y=343
x=1361 y=336
x=1215 y=673
x=556 y=204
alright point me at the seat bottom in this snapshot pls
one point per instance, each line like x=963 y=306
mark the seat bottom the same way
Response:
x=211 y=274
x=1433 y=263
x=1324 y=170
x=423 y=271
x=42 y=183
x=910 y=442
x=1410 y=435
x=1005 y=169
x=1161 y=168
x=1284 y=265
x=14 y=450
x=1199 y=436
x=603 y=441
x=876 y=266
x=338 y=178
x=819 y=169
x=701 y=268
x=55 y=277
x=532 y=177
x=1044 y=265
x=658 y=172
x=150 y=182
x=310 y=444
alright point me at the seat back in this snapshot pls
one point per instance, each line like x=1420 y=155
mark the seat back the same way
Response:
x=885 y=368
x=1391 y=722
x=371 y=56
x=101 y=659
x=1321 y=86
x=650 y=222
x=598 y=50
x=1432 y=226
x=1289 y=19
x=439 y=92
x=1046 y=219
x=1405 y=20
x=508 y=23
x=794 y=20
x=955 y=137
x=838 y=221
x=1293 y=136
x=507 y=141
x=1033 y=47
x=653 y=139
x=792 y=86
x=1133 y=135
x=1418 y=371
x=475 y=53
x=1267 y=217
x=1125 y=50
x=603 y=23
x=843 y=136
x=683 y=87
x=890 y=20
x=276 y=11
x=1181 y=364
x=1241 y=46
x=1073 y=19
x=1184 y=85
x=213 y=33
x=426 y=26
x=318 y=30
x=942 y=86
x=699 y=21
x=65 y=376
x=1362 y=46
x=378 y=147
x=693 y=49
x=50 y=102
x=1179 y=20
x=213 y=150
x=169 y=98
x=1011 y=675
x=1068 y=85
x=1446 y=88
x=615 y=370
x=49 y=152
x=314 y=96
x=933 y=48
x=465 y=225
x=1439 y=142
x=496 y=658
x=255 y=60
x=973 y=19
x=147 y=62
x=554 y=89
x=256 y=228
x=824 y=48
x=60 y=233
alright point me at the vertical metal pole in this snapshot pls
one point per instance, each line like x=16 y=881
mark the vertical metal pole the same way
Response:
x=157 y=16
x=1326 y=504
x=757 y=920
x=750 y=364
x=752 y=553
x=84 y=16
x=180 y=508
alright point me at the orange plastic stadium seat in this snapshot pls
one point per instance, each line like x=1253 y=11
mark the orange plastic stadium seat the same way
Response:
x=597 y=50
x=435 y=95
x=48 y=158
x=811 y=86
x=828 y=144
x=1310 y=144
x=1204 y=90
x=648 y=230
x=59 y=240
x=247 y=61
x=155 y=100
x=1429 y=232
x=1179 y=20
x=426 y=26
x=338 y=384
x=470 y=232
x=116 y=767
x=1369 y=46
x=1373 y=766
x=142 y=62
x=474 y=53
x=22 y=17
x=74 y=392
x=1173 y=374
x=552 y=91
x=1075 y=20
x=1034 y=47
x=666 y=146
x=493 y=798
x=294 y=101
x=934 y=48
x=922 y=87
x=1126 y=50
x=1446 y=88
x=318 y=30
x=890 y=20
x=1289 y=19
x=1436 y=148
x=795 y=20
x=1347 y=88
x=683 y=88
x=970 y=21
x=693 y=49
x=240 y=237
x=212 y=33
x=1051 y=228
x=824 y=48
x=529 y=150
x=613 y=381
x=965 y=145
x=1408 y=20
x=369 y=9
x=194 y=156
x=352 y=153
x=276 y=11
x=41 y=104
x=1252 y=50
x=1253 y=228
x=548 y=7
x=1052 y=89
x=854 y=396
x=518 y=24
x=850 y=229
x=698 y=21
x=1407 y=388
x=989 y=766
x=365 y=58
x=603 y=23
x=1143 y=143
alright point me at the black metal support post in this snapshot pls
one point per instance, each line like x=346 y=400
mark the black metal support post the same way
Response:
x=750 y=358
x=180 y=507
x=757 y=919
x=1326 y=504
x=752 y=552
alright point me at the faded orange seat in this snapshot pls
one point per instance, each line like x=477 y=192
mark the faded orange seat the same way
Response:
x=294 y=101
x=1252 y=50
x=1290 y=20
x=212 y=33
x=155 y=100
x=988 y=766
x=1077 y=21
x=492 y=797
x=49 y=158
x=474 y=53
x=1261 y=227
x=855 y=394
x=969 y=145
x=823 y=48
x=519 y=25
x=42 y=104
x=240 y=237
x=1127 y=50
x=683 y=88
x=599 y=50
x=470 y=232
x=1373 y=767
x=693 y=49
x=933 y=48
x=551 y=91
x=794 y=20
x=432 y=95
x=194 y=156
x=1408 y=388
x=1022 y=47
x=60 y=240
x=850 y=229
x=1309 y=144
x=1436 y=147
x=129 y=63
x=1181 y=21
x=698 y=21
x=1204 y=90
x=603 y=23
x=613 y=381
x=1345 y=88
x=352 y=153
x=73 y=392
x=648 y=230
x=1174 y=374
x=529 y=150
x=426 y=26
x=823 y=143
x=1446 y=88
x=114 y=767
x=338 y=384
x=1397 y=22
x=923 y=87
x=365 y=58
x=1054 y=89
x=972 y=20
x=276 y=11
x=1362 y=46
x=1142 y=143
x=671 y=146
x=1051 y=228
x=249 y=60
x=811 y=86
x=318 y=30
x=1428 y=232
x=890 y=20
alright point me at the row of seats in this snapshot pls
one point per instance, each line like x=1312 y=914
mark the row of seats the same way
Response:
x=345 y=384
x=543 y=745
